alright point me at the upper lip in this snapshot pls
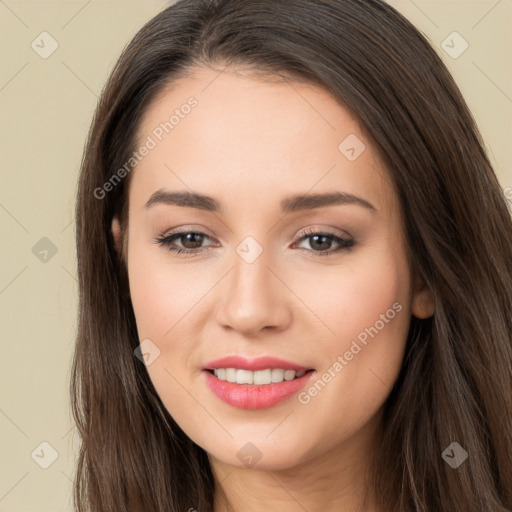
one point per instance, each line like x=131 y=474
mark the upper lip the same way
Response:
x=259 y=363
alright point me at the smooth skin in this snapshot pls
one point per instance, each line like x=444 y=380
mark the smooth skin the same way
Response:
x=250 y=143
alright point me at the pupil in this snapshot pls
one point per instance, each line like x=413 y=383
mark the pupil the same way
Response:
x=190 y=237
x=322 y=245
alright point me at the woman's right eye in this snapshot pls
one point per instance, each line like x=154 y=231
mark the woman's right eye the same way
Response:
x=194 y=238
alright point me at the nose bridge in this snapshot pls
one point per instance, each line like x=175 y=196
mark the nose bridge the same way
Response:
x=251 y=274
x=253 y=297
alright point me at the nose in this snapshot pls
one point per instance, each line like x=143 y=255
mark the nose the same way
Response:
x=254 y=297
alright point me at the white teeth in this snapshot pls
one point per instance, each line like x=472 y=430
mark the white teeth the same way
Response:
x=289 y=375
x=231 y=374
x=262 y=377
x=258 y=377
x=277 y=375
x=244 y=377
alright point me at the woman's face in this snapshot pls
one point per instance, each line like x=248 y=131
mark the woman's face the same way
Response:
x=320 y=282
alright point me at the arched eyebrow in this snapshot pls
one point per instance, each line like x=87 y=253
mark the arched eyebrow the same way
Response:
x=288 y=205
x=190 y=199
x=312 y=201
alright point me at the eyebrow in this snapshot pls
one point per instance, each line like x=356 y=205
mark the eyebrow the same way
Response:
x=288 y=205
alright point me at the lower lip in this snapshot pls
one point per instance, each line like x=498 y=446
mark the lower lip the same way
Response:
x=251 y=396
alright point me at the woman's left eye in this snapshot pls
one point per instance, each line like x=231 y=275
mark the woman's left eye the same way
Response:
x=321 y=239
x=191 y=242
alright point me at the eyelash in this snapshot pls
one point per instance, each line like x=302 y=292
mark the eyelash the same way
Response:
x=166 y=241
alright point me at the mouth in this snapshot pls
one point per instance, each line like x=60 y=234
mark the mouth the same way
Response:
x=255 y=383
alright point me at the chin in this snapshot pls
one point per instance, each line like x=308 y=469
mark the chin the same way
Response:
x=260 y=455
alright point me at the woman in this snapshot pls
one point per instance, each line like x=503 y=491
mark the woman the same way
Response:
x=295 y=268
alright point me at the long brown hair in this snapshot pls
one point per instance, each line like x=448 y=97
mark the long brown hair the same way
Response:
x=455 y=384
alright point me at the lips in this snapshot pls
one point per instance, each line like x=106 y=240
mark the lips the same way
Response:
x=255 y=396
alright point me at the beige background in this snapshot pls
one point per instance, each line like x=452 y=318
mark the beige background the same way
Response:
x=46 y=106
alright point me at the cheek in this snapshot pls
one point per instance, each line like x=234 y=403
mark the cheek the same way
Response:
x=368 y=308
x=164 y=304
x=352 y=297
x=170 y=305
x=162 y=294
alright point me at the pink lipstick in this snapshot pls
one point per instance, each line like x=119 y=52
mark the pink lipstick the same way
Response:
x=255 y=384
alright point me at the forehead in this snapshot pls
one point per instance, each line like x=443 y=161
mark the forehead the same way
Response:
x=262 y=106
x=255 y=134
